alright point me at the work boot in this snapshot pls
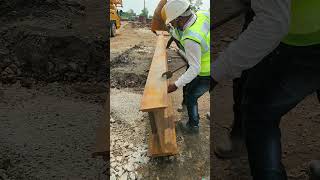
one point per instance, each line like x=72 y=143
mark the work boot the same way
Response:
x=183 y=108
x=314 y=170
x=208 y=115
x=230 y=146
x=189 y=127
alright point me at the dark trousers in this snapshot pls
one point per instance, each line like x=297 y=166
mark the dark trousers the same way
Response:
x=184 y=90
x=193 y=90
x=237 y=127
x=271 y=89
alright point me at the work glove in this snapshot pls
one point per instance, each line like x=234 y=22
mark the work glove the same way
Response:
x=172 y=87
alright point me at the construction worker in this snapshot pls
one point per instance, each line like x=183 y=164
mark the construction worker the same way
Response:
x=193 y=32
x=232 y=145
x=278 y=58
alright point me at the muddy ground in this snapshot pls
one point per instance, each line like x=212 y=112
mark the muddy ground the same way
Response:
x=53 y=76
x=300 y=127
x=52 y=40
x=131 y=54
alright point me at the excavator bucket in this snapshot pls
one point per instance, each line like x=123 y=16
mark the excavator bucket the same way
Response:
x=117 y=3
x=158 y=23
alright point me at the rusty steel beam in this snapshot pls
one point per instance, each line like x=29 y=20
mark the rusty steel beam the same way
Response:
x=155 y=92
x=156 y=101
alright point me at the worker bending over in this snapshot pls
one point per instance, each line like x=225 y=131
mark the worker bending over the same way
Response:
x=192 y=30
x=278 y=58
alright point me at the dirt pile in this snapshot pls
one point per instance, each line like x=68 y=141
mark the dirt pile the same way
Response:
x=39 y=40
x=137 y=24
x=123 y=58
x=10 y=10
x=49 y=55
x=129 y=58
x=128 y=80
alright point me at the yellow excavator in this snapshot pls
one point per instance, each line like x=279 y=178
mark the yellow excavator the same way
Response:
x=157 y=20
x=115 y=20
x=114 y=16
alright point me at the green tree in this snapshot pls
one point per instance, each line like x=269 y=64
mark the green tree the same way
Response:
x=144 y=12
x=130 y=15
x=130 y=11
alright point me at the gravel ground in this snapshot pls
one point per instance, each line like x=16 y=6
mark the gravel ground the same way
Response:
x=128 y=147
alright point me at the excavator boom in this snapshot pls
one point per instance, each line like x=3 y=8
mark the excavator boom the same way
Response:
x=158 y=23
x=117 y=3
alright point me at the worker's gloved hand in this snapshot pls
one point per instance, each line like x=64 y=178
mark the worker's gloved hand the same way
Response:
x=172 y=87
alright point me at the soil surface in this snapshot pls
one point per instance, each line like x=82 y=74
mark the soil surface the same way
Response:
x=48 y=132
x=53 y=84
x=131 y=55
x=52 y=40
x=300 y=127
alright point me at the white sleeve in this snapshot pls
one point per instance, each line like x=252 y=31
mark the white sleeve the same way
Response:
x=262 y=36
x=193 y=56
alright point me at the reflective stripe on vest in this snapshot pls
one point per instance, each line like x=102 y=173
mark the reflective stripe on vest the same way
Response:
x=305 y=23
x=200 y=33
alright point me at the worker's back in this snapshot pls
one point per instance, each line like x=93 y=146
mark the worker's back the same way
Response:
x=305 y=23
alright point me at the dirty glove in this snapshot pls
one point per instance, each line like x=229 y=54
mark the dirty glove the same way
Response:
x=172 y=87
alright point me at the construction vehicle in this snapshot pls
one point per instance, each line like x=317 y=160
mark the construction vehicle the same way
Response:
x=157 y=23
x=114 y=16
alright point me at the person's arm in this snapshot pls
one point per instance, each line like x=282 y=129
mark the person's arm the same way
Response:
x=193 y=56
x=263 y=35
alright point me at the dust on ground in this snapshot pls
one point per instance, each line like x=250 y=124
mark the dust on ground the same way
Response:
x=300 y=127
x=131 y=55
x=53 y=82
x=48 y=132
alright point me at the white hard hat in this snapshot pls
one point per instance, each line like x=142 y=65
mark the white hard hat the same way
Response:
x=175 y=8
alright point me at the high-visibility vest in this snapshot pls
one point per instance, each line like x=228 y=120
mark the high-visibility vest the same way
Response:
x=305 y=23
x=199 y=32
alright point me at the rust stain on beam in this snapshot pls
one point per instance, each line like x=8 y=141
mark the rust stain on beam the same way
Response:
x=157 y=102
x=155 y=91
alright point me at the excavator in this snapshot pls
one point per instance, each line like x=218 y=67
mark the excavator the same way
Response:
x=157 y=23
x=114 y=16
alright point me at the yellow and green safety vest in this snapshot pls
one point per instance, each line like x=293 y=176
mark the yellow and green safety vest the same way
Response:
x=305 y=23
x=199 y=32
